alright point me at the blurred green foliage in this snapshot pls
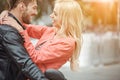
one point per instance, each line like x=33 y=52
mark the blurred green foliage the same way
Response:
x=3 y=5
x=43 y=6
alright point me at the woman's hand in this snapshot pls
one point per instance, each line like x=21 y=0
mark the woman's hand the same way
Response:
x=10 y=21
x=3 y=14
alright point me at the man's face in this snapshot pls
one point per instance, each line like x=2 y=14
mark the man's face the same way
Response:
x=30 y=12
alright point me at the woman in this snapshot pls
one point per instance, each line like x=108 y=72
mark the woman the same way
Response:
x=56 y=44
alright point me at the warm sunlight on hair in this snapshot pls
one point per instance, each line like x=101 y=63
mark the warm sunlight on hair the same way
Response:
x=99 y=0
x=107 y=0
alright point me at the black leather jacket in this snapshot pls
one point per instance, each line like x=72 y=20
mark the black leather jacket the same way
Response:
x=15 y=62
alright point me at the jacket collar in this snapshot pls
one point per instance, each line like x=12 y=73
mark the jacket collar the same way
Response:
x=11 y=15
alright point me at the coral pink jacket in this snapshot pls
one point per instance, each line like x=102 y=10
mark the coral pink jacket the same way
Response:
x=48 y=52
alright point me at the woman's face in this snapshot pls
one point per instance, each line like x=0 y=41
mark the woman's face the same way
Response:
x=55 y=18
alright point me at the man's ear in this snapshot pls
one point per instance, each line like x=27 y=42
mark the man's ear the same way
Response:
x=22 y=6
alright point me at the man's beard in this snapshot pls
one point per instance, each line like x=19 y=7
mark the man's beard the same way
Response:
x=26 y=18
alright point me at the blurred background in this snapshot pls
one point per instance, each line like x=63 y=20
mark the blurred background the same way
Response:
x=100 y=52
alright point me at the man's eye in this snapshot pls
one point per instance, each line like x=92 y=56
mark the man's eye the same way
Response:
x=34 y=7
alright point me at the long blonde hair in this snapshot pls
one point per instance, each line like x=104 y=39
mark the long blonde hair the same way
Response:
x=71 y=17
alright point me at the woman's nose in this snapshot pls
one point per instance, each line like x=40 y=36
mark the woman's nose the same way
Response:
x=51 y=15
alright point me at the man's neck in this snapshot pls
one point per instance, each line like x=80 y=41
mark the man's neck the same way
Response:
x=17 y=15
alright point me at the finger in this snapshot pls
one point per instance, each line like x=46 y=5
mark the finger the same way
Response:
x=4 y=19
x=0 y=20
x=6 y=15
x=8 y=18
x=1 y=17
x=6 y=22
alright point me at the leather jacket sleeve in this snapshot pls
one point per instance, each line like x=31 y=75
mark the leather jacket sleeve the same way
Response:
x=13 y=45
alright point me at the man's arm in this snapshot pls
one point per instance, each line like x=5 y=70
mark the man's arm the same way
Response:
x=13 y=45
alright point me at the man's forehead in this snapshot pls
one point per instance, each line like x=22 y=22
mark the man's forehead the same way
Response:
x=34 y=2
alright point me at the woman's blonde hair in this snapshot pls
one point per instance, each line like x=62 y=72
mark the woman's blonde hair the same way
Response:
x=71 y=17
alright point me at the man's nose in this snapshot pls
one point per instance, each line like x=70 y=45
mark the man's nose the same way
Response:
x=35 y=13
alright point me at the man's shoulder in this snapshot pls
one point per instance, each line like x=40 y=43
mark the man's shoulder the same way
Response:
x=5 y=27
x=8 y=33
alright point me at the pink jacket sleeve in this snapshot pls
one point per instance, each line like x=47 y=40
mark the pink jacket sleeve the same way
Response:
x=51 y=50
x=35 y=31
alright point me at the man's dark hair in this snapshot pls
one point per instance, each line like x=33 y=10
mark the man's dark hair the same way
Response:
x=13 y=3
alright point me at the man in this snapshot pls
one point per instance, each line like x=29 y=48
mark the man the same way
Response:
x=15 y=63
x=12 y=45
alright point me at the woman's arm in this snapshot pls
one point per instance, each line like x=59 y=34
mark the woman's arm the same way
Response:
x=50 y=51
x=35 y=31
